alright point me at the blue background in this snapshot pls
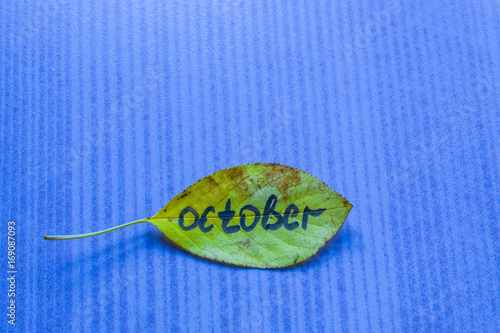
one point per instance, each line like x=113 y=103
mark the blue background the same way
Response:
x=111 y=108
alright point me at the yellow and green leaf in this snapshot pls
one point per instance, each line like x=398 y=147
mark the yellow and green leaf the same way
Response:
x=253 y=215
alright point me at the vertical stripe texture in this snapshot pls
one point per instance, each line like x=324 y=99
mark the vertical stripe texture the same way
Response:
x=109 y=109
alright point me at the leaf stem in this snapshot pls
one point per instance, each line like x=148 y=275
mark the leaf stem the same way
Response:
x=64 y=237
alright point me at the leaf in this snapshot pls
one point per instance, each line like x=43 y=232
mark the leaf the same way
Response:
x=253 y=215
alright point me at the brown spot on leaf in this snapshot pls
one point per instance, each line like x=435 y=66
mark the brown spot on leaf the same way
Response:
x=211 y=182
x=243 y=186
x=286 y=183
x=246 y=242
x=235 y=173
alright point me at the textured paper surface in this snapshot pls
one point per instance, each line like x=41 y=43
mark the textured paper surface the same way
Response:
x=110 y=109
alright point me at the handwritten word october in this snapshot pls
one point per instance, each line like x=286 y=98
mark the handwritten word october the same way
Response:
x=270 y=209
